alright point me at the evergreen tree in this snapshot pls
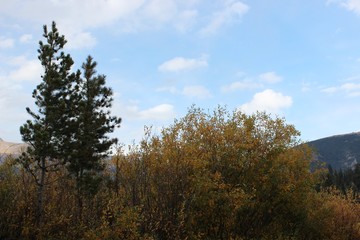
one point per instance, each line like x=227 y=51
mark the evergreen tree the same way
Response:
x=45 y=132
x=90 y=142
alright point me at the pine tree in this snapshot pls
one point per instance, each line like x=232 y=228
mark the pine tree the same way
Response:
x=71 y=124
x=90 y=142
x=45 y=132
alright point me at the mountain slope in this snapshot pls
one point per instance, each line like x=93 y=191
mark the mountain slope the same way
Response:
x=9 y=148
x=340 y=151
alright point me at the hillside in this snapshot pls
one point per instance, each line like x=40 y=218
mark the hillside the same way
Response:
x=10 y=148
x=340 y=151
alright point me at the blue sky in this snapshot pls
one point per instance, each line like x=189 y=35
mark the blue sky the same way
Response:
x=298 y=59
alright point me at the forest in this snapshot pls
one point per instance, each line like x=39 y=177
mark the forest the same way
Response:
x=212 y=174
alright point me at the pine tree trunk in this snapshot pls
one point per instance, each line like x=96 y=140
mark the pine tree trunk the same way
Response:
x=117 y=173
x=79 y=198
x=40 y=195
x=80 y=205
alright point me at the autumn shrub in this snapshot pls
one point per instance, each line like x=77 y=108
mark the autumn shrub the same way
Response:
x=334 y=216
x=117 y=221
x=222 y=175
x=16 y=201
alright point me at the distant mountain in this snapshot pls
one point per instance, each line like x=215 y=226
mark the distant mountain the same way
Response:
x=9 y=148
x=340 y=151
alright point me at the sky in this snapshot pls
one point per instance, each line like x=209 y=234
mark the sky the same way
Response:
x=296 y=59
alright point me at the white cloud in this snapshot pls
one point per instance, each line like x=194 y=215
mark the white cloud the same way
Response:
x=181 y=64
x=350 y=89
x=270 y=77
x=351 y=5
x=241 y=85
x=268 y=100
x=196 y=91
x=76 y=19
x=130 y=110
x=14 y=97
x=171 y=90
x=252 y=82
x=330 y=90
x=6 y=42
x=350 y=86
x=80 y=40
x=352 y=78
x=13 y=102
x=15 y=94
x=232 y=11
x=186 y=20
x=78 y=14
x=159 y=112
x=306 y=86
x=134 y=119
x=22 y=69
x=25 y=38
x=29 y=70
x=160 y=10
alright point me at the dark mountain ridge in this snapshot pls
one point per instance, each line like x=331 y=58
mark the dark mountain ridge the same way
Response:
x=339 y=151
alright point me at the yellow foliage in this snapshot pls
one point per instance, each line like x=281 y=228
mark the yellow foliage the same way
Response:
x=209 y=175
x=336 y=217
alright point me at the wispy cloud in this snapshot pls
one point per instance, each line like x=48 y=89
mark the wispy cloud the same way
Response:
x=270 y=77
x=25 y=38
x=267 y=100
x=351 y=5
x=241 y=85
x=171 y=89
x=196 y=91
x=14 y=96
x=131 y=110
x=351 y=89
x=231 y=12
x=76 y=19
x=135 y=118
x=306 y=86
x=22 y=69
x=186 y=20
x=330 y=90
x=252 y=82
x=178 y=64
x=81 y=40
x=159 y=112
x=6 y=43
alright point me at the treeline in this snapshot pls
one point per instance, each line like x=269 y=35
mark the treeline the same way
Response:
x=344 y=180
x=209 y=175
